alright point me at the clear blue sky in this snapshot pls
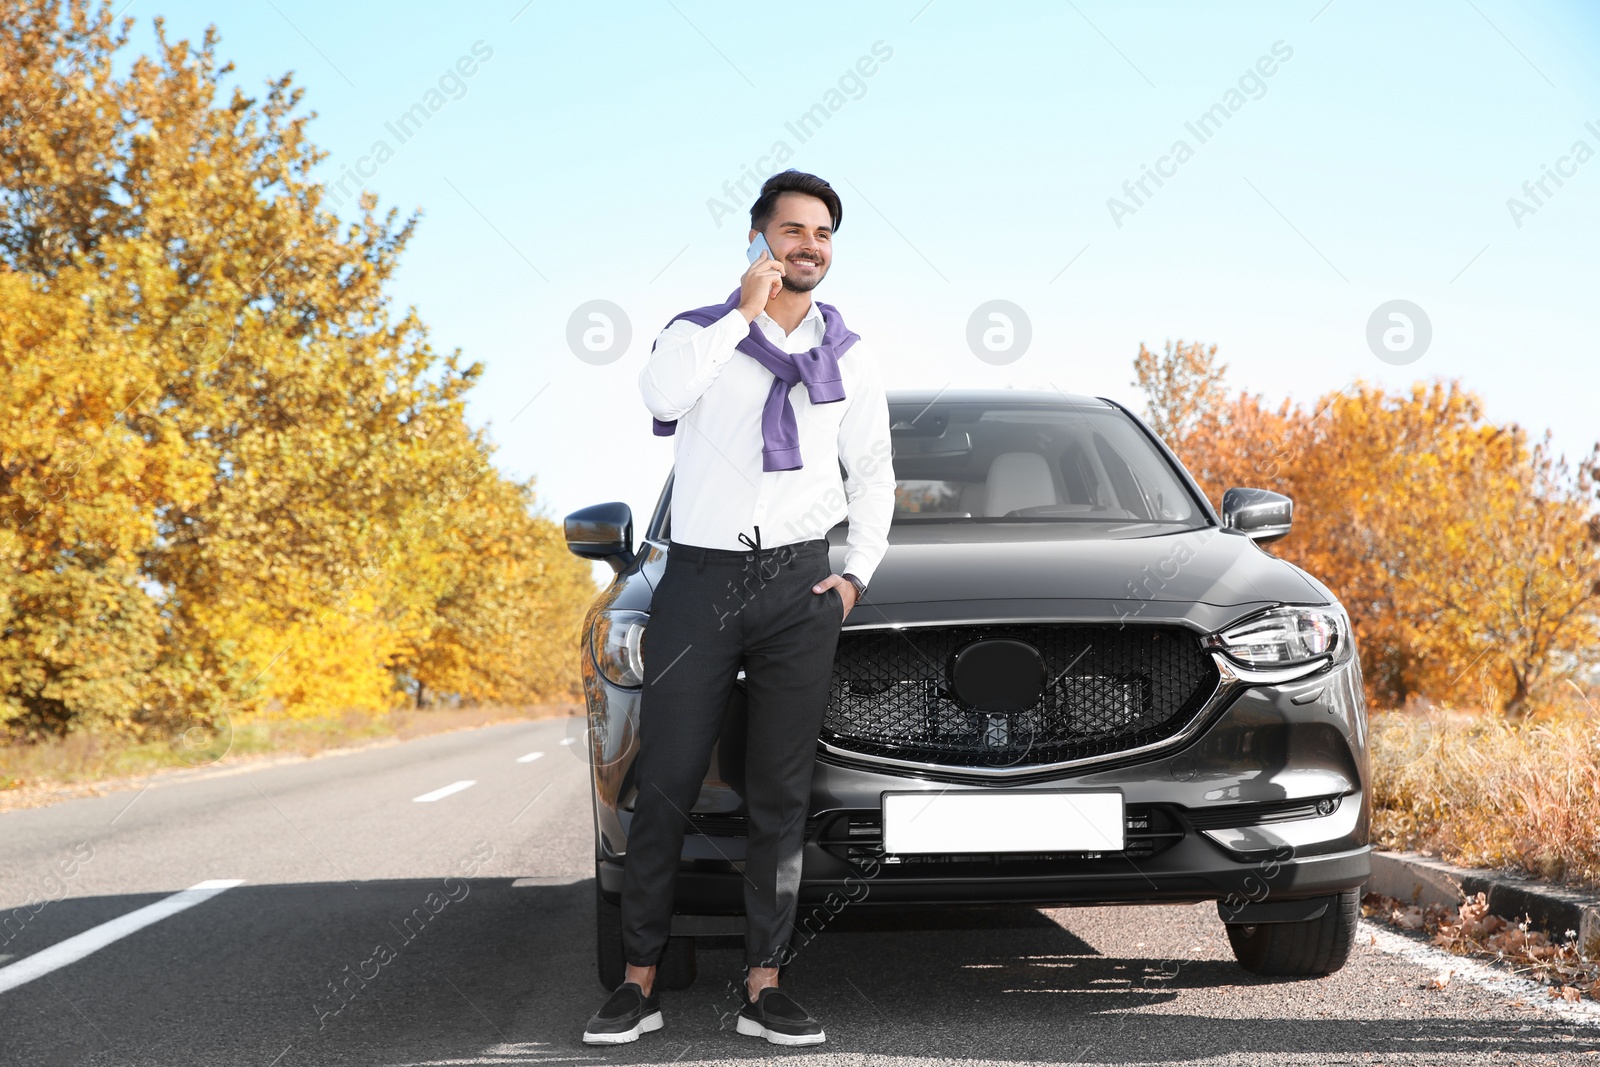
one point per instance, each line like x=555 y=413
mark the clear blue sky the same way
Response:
x=577 y=161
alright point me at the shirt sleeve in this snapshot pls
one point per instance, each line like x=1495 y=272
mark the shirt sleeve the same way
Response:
x=865 y=449
x=685 y=360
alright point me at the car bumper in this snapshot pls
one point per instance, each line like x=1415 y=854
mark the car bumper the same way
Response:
x=1193 y=870
x=1243 y=794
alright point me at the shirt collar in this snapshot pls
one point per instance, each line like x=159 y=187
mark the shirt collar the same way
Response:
x=812 y=313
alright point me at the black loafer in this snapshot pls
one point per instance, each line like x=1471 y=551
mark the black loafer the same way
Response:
x=625 y=1015
x=775 y=1016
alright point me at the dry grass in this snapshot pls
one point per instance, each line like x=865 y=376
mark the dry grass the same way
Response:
x=88 y=764
x=1481 y=791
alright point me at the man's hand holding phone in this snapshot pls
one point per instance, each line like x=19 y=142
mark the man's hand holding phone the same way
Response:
x=761 y=280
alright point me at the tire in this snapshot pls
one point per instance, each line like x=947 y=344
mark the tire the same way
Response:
x=676 y=970
x=1308 y=949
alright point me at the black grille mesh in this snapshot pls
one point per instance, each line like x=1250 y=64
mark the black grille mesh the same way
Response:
x=1107 y=689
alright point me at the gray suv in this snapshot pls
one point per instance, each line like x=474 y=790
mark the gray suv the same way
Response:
x=1071 y=682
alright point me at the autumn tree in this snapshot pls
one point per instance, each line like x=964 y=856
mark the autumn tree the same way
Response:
x=1183 y=386
x=1467 y=558
x=234 y=476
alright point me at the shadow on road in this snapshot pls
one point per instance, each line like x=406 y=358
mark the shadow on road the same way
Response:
x=450 y=971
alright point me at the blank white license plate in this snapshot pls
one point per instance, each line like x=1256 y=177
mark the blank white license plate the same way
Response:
x=1002 y=822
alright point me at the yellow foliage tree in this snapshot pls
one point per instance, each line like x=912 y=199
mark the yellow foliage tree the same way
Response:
x=233 y=476
x=1468 y=559
x=1183 y=386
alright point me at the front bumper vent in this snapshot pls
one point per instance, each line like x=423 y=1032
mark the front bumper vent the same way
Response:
x=857 y=838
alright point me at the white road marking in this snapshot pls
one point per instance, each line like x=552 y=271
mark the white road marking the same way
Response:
x=524 y=1048
x=569 y=740
x=1479 y=974
x=511 y=1052
x=530 y=757
x=440 y=794
x=93 y=940
x=520 y=1058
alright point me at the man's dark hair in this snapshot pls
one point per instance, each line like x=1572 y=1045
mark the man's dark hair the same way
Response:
x=792 y=181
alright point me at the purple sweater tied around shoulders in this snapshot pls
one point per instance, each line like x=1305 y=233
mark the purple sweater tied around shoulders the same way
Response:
x=818 y=369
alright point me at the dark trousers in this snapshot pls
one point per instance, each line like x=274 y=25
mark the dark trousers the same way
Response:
x=713 y=611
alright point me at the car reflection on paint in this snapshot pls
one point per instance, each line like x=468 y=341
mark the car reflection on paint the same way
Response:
x=1072 y=681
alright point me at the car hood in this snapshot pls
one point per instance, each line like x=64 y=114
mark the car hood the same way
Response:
x=941 y=573
x=1147 y=564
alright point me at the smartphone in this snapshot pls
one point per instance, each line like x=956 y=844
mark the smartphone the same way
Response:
x=758 y=246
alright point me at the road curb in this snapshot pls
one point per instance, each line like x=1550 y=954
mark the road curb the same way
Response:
x=1550 y=909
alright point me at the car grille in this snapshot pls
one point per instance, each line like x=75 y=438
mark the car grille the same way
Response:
x=1107 y=689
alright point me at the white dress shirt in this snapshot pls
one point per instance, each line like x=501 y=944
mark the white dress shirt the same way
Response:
x=716 y=393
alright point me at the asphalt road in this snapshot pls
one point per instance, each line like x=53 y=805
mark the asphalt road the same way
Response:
x=461 y=931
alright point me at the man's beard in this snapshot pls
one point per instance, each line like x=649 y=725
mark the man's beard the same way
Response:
x=808 y=284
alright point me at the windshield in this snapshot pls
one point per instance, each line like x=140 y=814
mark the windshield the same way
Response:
x=999 y=462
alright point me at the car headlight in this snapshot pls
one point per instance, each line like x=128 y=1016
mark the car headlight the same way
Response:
x=1283 y=637
x=615 y=642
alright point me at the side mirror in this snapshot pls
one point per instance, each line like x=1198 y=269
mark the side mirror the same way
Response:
x=602 y=532
x=1257 y=513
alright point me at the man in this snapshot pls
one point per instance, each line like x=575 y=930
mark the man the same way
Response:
x=769 y=398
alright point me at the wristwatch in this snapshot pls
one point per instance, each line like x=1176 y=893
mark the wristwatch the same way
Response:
x=861 y=587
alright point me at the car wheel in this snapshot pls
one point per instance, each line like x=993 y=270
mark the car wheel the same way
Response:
x=608 y=940
x=1301 y=949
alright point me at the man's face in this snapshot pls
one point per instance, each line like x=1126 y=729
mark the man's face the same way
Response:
x=801 y=236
